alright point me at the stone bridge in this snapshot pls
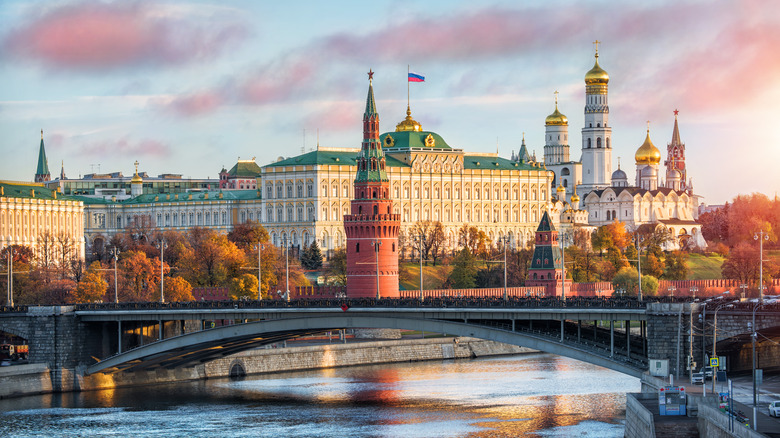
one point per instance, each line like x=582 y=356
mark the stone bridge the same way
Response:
x=90 y=339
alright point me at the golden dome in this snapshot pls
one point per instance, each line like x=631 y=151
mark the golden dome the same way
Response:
x=596 y=75
x=136 y=178
x=575 y=199
x=647 y=153
x=408 y=124
x=556 y=118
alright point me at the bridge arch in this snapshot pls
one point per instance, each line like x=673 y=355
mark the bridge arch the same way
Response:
x=195 y=348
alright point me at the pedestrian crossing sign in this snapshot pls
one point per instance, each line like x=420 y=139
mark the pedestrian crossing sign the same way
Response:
x=714 y=362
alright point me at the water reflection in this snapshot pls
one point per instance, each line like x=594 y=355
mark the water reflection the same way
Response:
x=538 y=395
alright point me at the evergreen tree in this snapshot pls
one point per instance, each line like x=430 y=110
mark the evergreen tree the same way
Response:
x=311 y=257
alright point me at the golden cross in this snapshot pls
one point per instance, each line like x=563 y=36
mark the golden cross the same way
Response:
x=648 y=126
x=136 y=166
x=597 y=42
x=556 y=98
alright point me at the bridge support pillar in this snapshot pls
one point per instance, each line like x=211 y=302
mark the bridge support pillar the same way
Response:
x=119 y=336
x=628 y=339
x=579 y=330
x=595 y=327
x=611 y=338
x=562 y=322
x=513 y=325
x=159 y=330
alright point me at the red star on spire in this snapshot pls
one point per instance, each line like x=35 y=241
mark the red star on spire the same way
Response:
x=370 y=74
x=675 y=112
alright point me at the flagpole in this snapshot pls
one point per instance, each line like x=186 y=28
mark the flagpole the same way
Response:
x=408 y=70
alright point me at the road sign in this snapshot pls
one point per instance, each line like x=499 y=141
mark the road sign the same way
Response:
x=714 y=362
x=759 y=376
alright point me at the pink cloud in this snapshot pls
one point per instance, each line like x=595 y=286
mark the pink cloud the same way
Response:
x=341 y=116
x=194 y=104
x=102 y=36
x=125 y=147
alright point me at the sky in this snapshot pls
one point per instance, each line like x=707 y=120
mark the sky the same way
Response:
x=187 y=87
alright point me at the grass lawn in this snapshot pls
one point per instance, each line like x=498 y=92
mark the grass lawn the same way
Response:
x=433 y=276
x=704 y=267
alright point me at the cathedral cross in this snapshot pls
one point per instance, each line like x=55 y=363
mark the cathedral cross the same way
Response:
x=597 y=42
x=556 y=98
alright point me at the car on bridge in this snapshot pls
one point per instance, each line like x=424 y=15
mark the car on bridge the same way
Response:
x=697 y=378
x=774 y=409
x=707 y=372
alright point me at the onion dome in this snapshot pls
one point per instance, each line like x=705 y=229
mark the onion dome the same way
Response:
x=556 y=118
x=619 y=174
x=136 y=178
x=596 y=75
x=648 y=153
x=575 y=200
x=561 y=192
x=408 y=124
x=673 y=174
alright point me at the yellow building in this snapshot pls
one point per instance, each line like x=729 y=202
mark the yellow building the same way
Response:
x=34 y=216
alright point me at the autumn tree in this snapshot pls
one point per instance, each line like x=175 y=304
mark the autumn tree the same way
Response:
x=92 y=287
x=243 y=287
x=653 y=266
x=429 y=238
x=475 y=239
x=336 y=271
x=742 y=264
x=178 y=289
x=138 y=281
x=246 y=235
x=211 y=260
x=517 y=264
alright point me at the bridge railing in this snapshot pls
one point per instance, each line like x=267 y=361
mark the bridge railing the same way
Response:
x=346 y=303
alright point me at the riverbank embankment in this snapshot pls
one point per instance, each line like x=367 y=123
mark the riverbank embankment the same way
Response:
x=21 y=380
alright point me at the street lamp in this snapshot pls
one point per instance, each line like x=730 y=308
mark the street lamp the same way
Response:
x=563 y=238
x=754 y=335
x=639 y=241
x=376 y=244
x=162 y=244
x=115 y=253
x=419 y=239
x=505 y=239
x=743 y=286
x=286 y=267
x=715 y=342
x=11 y=253
x=761 y=236
x=693 y=290
x=259 y=247
x=671 y=290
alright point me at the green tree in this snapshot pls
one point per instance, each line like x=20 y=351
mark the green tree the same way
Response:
x=649 y=285
x=464 y=270
x=311 y=258
x=337 y=267
x=626 y=279
x=676 y=265
x=517 y=264
x=631 y=254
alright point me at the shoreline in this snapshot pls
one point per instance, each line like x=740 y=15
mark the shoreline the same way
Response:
x=34 y=379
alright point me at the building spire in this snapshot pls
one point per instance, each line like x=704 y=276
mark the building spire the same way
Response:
x=42 y=172
x=676 y=132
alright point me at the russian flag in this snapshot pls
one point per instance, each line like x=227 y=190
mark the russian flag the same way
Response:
x=415 y=77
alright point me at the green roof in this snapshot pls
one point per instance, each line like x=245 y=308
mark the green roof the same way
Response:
x=412 y=139
x=247 y=169
x=338 y=158
x=15 y=190
x=546 y=224
x=490 y=162
x=151 y=198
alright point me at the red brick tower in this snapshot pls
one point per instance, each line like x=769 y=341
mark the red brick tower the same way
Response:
x=371 y=228
x=547 y=267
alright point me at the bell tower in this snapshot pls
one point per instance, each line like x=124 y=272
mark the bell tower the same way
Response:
x=371 y=227
x=597 y=133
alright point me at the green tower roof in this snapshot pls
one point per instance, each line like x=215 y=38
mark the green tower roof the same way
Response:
x=43 y=163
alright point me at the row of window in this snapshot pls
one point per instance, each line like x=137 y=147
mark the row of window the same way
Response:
x=24 y=224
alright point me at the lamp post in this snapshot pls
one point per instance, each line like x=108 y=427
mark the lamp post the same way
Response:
x=715 y=343
x=376 y=243
x=162 y=244
x=260 y=248
x=287 y=268
x=693 y=290
x=505 y=239
x=639 y=241
x=761 y=236
x=420 y=238
x=743 y=286
x=564 y=238
x=11 y=253
x=671 y=290
x=754 y=335
x=115 y=253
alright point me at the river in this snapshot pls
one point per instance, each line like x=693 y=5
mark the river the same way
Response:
x=527 y=395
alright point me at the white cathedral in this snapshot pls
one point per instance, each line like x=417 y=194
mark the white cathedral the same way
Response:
x=607 y=196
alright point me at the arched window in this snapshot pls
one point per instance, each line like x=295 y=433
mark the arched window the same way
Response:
x=598 y=143
x=357 y=247
x=588 y=143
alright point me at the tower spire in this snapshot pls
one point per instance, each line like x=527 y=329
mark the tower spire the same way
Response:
x=42 y=172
